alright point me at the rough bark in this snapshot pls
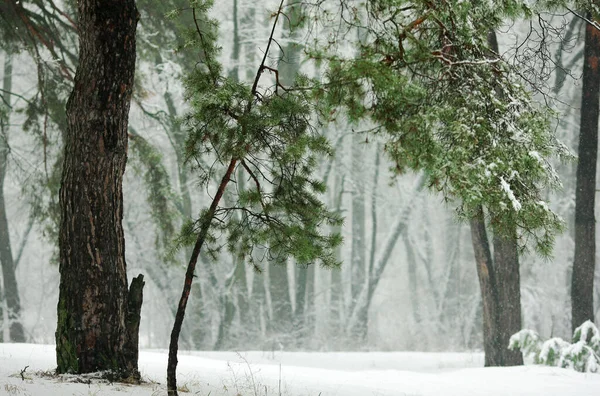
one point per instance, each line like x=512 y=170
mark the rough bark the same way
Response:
x=582 y=281
x=94 y=307
x=16 y=332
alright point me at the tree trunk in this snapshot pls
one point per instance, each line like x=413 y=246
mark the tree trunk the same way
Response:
x=508 y=286
x=336 y=313
x=97 y=315
x=413 y=287
x=235 y=285
x=500 y=284
x=487 y=284
x=11 y=290
x=358 y=261
x=189 y=277
x=507 y=281
x=280 y=322
x=305 y=276
x=582 y=281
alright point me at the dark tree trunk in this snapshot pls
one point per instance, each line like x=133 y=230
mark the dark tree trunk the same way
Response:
x=487 y=284
x=97 y=315
x=11 y=291
x=582 y=281
x=507 y=281
x=500 y=283
x=508 y=285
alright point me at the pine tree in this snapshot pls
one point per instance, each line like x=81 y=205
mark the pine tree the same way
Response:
x=582 y=284
x=98 y=317
x=424 y=76
x=265 y=132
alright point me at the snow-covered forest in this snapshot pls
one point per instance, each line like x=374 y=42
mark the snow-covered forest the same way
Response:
x=408 y=279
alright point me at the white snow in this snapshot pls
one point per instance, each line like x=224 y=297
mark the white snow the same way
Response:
x=300 y=374
x=506 y=187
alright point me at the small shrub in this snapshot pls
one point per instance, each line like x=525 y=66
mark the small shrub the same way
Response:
x=583 y=354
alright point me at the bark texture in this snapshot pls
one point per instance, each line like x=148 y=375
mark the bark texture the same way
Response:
x=582 y=281
x=96 y=316
x=508 y=286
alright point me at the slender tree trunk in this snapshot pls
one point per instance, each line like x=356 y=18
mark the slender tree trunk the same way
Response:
x=336 y=311
x=11 y=290
x=582 y=281
x=196 y=335
x=97 y=315
x=304 y=282
x=363 y=306
x=413 y=285
x=189 y=276
x=234 y=299
x=358 y=262
x=280 y=320
x=2 y=321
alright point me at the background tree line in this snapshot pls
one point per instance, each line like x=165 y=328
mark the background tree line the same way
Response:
x=408 y=264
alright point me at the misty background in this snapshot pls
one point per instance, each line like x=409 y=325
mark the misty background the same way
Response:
x=408 y=279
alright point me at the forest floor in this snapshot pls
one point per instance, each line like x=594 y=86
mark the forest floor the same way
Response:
x=297 y=374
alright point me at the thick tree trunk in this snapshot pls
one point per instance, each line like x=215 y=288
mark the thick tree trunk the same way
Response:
x=97 y=315
x=582 y=281
x=508 y=286
x=11 y=290
x=500 y=284
x=489 y=295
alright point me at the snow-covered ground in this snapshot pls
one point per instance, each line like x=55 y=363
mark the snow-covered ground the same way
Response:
x=299 y=374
